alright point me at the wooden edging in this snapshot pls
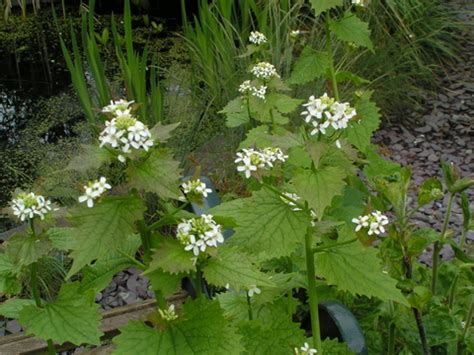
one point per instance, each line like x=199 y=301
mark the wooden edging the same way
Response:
x=112 y=320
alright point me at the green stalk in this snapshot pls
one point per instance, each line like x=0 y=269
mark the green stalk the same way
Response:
x=391 y=339
x=249 y=306
x=199 y=283
x=36 y=292
x=466 y=327
x=332 y=71
x=437 y=245
x=313 y=297
x=145 y=237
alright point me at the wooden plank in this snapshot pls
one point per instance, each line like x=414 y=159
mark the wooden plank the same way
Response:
x=112 y=320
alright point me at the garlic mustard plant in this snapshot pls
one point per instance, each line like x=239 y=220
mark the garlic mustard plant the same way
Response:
x=199 y=234
x=257 y=38
x=29 y=205
x=93 y=190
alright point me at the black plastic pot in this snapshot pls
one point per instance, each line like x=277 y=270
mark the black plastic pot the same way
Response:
x=336 y=321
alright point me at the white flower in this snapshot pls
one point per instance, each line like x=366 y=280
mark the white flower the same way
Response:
x=245 y=87
x=28 y=205
x=264 y=71
x=375 y=223
x=305 y=350
x=293 y=197
x=253 y=290
x=324 y=112
x=168 y=314
x=195 y=189
x=295 y=33
x=259 y=91
x=124 y=132
x=197 y=234
x=257 y=38
x=250 y=160
x=359 y=2
x=93 y=190
x=117 y=105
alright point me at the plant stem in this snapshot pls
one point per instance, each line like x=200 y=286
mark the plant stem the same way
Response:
x=199 y=283
x=466 y=327
x=249 y=306
x=391 y=331
x=463 y=238
x=145 y=237
x=313 y=297
x=332 y=72
x=421 y=331
x=438 y=245
x=35 y=289
x=289 y=295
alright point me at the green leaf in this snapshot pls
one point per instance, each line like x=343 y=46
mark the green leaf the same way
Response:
x=431 y=189
x=357 y=270
x=359 y=131
x=379 y=166
x=344 y=75
x=162 y=133
x=25 y=250
x=266 y=225
x=319 y=6
x=283 y=103
x=71 y=318
x=158 y=173
x=441 y=327
x=165 y=282
x=11 y=308
x=98 y=276
x=260 y=137
x=309 y=66
x=319 y=187
x=236 y=113
x=200 y=329
x=61 y=238
x=90 y=157
x=276 y=334
x=102 y=228
x=335 y=347
x=352 y=30
x=234 y=268
x=171 y=257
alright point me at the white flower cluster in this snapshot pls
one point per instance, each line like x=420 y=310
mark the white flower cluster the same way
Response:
x=197 y=234
x=250 y=160
x=305 y=350
x=325 y=112
x=253 y=290
x=93 y=190
x=375 y=222
x=168 y=314
x=29 y=205
x=295 y=33
x=195 y=189
x=359 y=2
x=257 y=38
x=258 y=91
x=120 y=105
x=264 y=71
x=125 y=132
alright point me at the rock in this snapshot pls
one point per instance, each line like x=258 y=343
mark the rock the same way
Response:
x=13 y=327
x=433 y=158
